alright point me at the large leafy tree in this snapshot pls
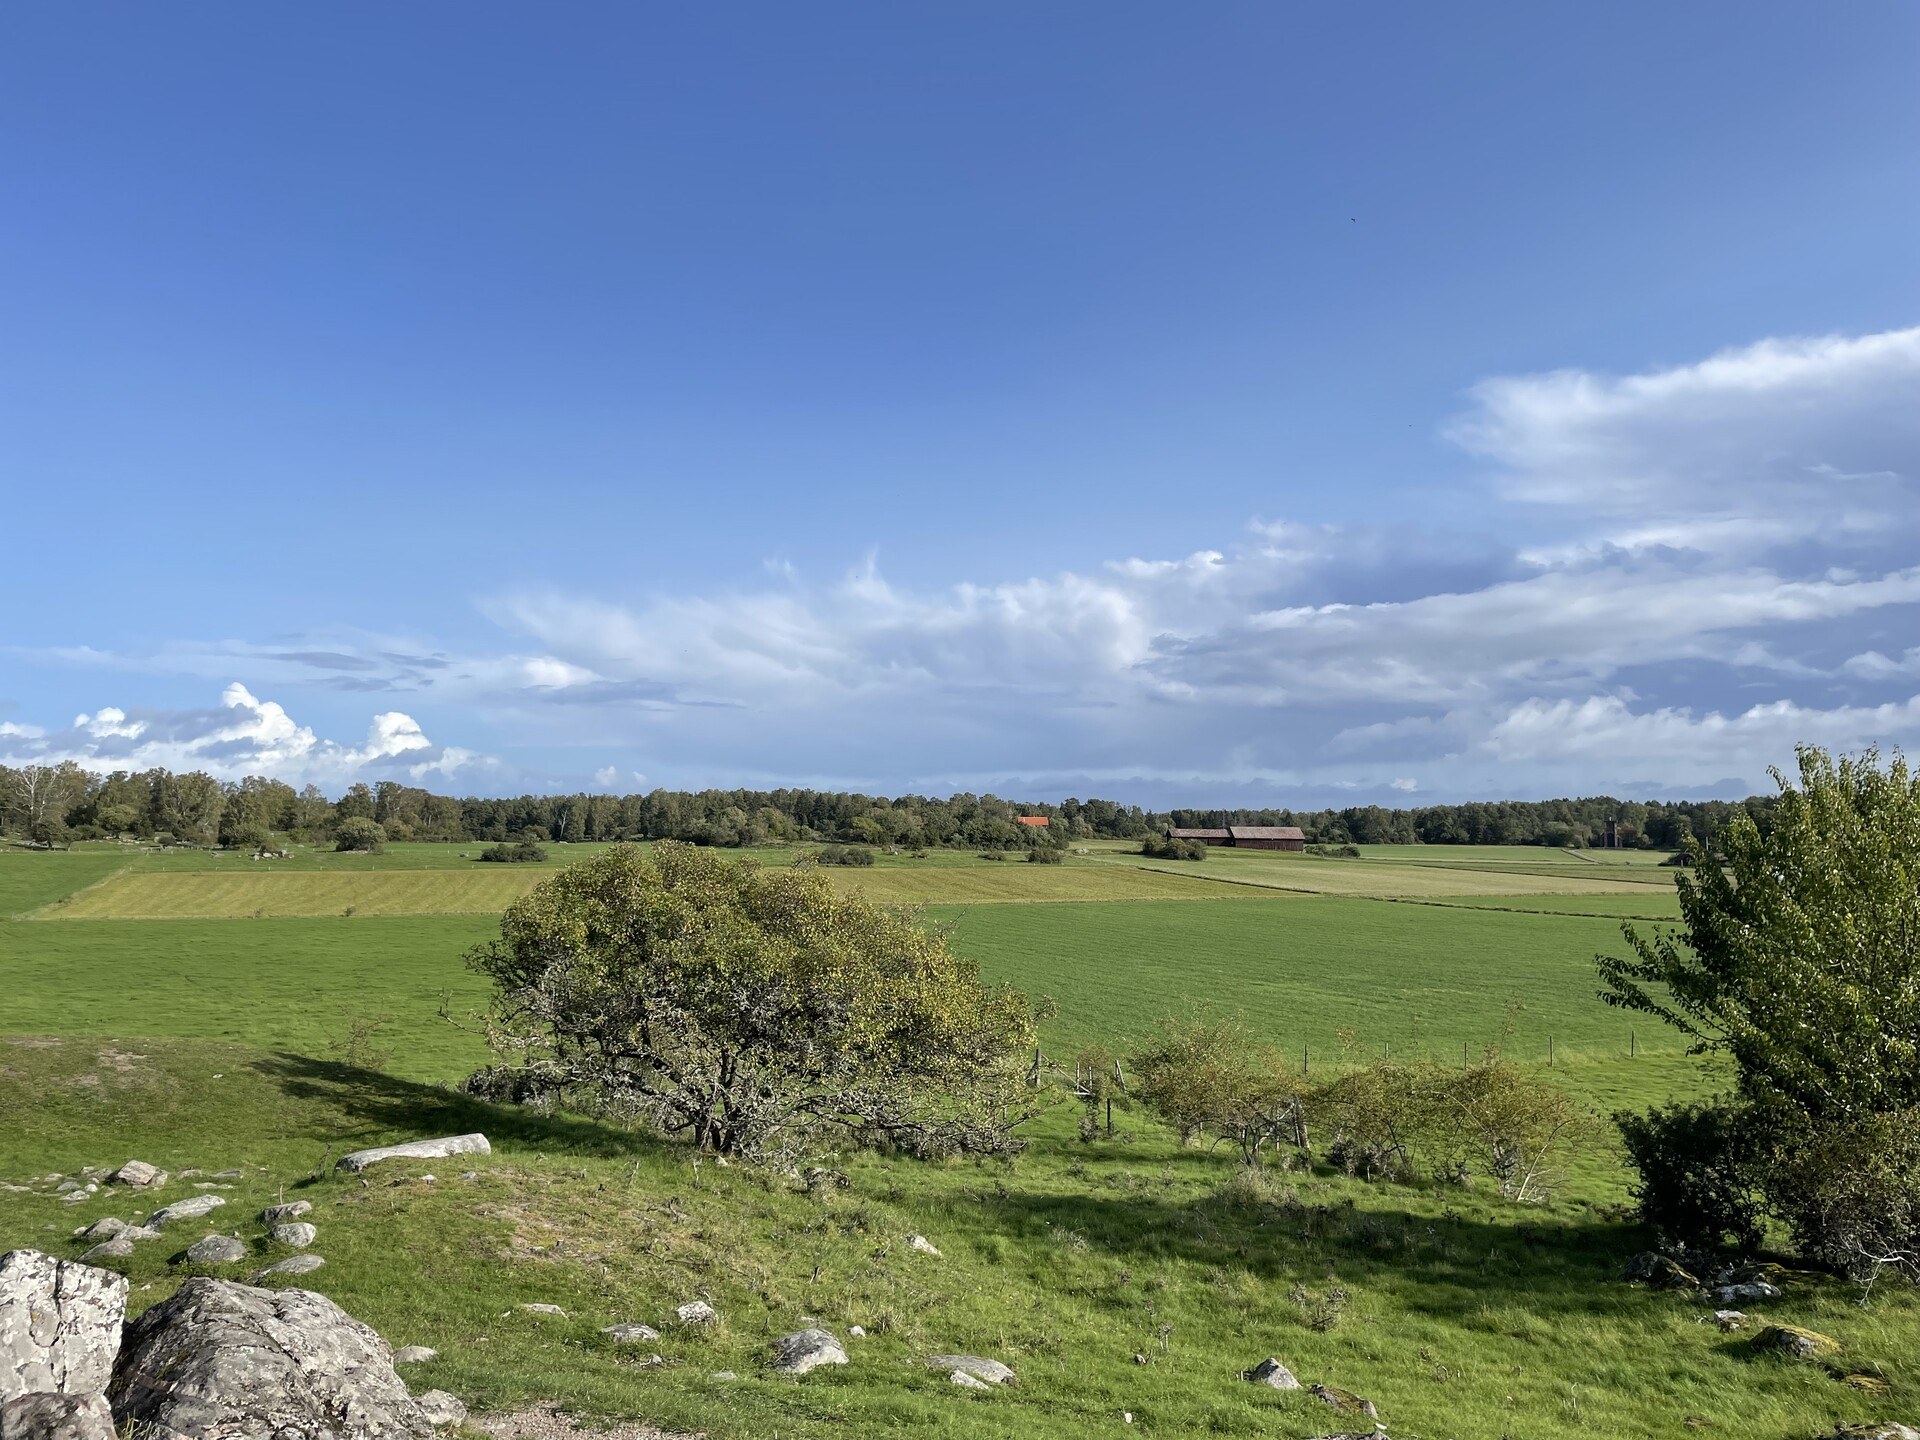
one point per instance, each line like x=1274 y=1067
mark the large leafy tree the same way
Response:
x=752 y=1010
x=1799 y=959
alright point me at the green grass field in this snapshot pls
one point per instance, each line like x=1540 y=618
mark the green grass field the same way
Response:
x=274 y=1044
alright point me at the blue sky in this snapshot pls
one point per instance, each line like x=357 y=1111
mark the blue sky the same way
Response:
x=1265 y=403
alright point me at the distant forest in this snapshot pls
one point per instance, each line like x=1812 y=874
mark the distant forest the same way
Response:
x=55 y=805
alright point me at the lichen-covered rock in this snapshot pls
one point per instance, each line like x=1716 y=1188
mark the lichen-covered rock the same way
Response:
x=1746 y=1292
x=415 y=1355
x=1271 y=1372
x=806 y=1350
x=295 y=1233
x=1731 y=1321
x=219 y=1359
x=56 y=1417
x=60 y=1325
x=1882 y=1430
x=118 y=1248
x=1792 y=1340
x=696 y=1312
x=216 y=1250
x=1663 y=1272
x=292 y=1210
x=475 y=1144
x=630 y=1333
x=992 y=1372
x=292 y=1265
x=923 y=1245
x=968 y=1382
x=139 y=1174
x=191 y=1208
x=105 y=1228
x=1344 y=1400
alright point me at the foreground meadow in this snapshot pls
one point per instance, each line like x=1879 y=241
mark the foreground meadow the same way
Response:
x=1118 y=1275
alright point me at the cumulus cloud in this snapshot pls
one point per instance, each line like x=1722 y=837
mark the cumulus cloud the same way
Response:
x=1678 y=574
x=244 y=736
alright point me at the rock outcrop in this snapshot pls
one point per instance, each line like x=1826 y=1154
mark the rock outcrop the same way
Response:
x=806 y=1350
x=990 y=1372
x=218 y=1358
x=475 y=1144
x=60 y=1325
x=56 y=1417
x=1272 y=1373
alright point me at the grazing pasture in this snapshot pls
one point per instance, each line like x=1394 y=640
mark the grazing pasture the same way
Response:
x=1117 y=1275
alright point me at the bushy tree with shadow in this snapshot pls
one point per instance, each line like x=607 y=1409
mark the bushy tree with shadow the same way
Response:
x=756 y=1012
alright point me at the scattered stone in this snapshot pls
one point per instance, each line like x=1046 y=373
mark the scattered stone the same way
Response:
x=1731 y=1321
x=216 y=1250
x=1792 y=1340
x=857 y=1332
x=296 y=1233
x=806 y=1350
x=104 y=1229
x=1140 y=1359
x=991 y=1372
x=139 y=1174
x=1662 y=1272
x=475 y=1144
x=968 y=1382
x=192 y=1208
x=138 y=1232
x=1867 y=1384
x=229 y=1174
x=415 y=1355
x=189 y=1174
x=1748 y=1292
x=59 y=1325
x=1344 y=1400
x=1884 y=1430
x=292 y=1210
x=292 y=1265
x=696 y=1312
x=118 y=1248
x=469 y=1174
x=66 y=1186
x=56 y=1417
x=440 y=1408
x=922 y=1244
x=223 y=1359
x=1269 y=1372
x=539 y=1309
x=723 y=1375
x=631 y=1333
x=75 y=1197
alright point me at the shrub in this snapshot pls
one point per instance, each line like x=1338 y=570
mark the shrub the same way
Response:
x=360 y=834
x=843 y=855
x=1700 y=1176
x=993 y=854
x=523 y=853
x=1335 y=852
x=1211 y=1078
x=751 y=1010
x=1044 y=855
x=1165 y=847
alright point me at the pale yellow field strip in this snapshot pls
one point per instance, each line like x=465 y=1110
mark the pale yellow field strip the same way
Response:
x=199 y=896
x=1386 y=880
x=1016 y=882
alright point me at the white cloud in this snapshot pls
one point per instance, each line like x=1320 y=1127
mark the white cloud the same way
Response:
x=1709 y=551
x=245 y=736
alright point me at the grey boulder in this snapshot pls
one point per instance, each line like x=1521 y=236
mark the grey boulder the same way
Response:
x=296 y=1233
x=104 y=1228
x=216 y=1250
x=60 y=1325
x=696 y=1312
x=292 y=1265
x=118 y=1248
x=192 y=1208
x=415 y=1355
x=1747 y=1292
x=630 y=1333
x=968 y=1382
x=56 y=1417
x=475 y=1144
x=992 y=1372
x=219 y=1359
x=139 y=1174
x=806 y=1350
x=1271 y=1372
x=292 y=1210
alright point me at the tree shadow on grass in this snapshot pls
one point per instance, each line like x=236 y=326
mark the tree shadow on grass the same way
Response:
x=381 y=1109
x=1451 y=1267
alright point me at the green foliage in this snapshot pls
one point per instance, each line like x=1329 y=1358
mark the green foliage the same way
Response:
x=753 y=1010
x=1210 y=1077
x=1045 y=855
x=1798 y=961
x=359 y=834
x=524 y=852
x=1166 y=847
x=1700 y=1174
x=843 y=855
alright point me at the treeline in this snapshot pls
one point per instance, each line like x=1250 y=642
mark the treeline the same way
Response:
x=56 y=804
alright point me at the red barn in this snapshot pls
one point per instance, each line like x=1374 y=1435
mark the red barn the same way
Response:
x=1266 y=837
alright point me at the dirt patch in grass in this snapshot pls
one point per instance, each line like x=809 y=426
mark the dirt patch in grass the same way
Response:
x=547 y=1422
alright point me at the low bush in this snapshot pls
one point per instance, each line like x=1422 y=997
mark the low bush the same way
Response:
x=1043 y=855
x=1165 y=847
x=357 y=833
x=524 y=853
x=993 y=854
x=1335 y=852
x=843 y=855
